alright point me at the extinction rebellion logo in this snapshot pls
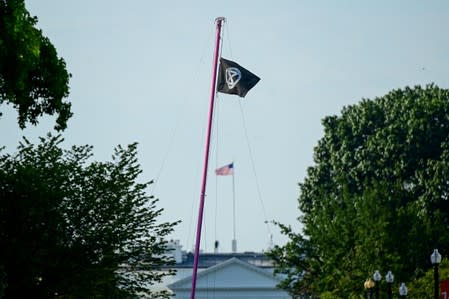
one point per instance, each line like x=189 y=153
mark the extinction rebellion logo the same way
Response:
x=233 y=76
x=234 y=79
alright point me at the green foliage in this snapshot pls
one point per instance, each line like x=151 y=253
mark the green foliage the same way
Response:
x=377 y=196
x=291 y=263
x=32 y=77
x=424 y=286
x=70 y=228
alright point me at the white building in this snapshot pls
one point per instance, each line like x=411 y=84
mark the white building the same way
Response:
x=245 y=275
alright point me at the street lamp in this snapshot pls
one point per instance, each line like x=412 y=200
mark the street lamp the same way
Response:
x=377 y=277
x=369 y=284
x=389 y=278
x=403 y=290
x=435 y=258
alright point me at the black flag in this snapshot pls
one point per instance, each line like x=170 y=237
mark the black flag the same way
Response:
x=234 y=79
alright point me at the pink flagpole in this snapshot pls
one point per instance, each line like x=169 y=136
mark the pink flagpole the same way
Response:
x=219 y=22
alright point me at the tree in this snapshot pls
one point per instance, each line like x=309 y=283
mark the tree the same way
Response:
x=378 y=194
x=32 y=77
x=292 y=262
x=74 y=229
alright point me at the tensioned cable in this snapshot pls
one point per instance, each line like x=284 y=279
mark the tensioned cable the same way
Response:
x=217 y=138
x=192 y=211
x=250 y=151
x=217 y=135
x=181 y=113
x=254 y=169
x=229 y=42
x=204 y=219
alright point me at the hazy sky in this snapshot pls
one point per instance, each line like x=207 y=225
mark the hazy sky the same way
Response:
x=141 y=72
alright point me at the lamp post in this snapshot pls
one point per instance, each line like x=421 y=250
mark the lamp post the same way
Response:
x=389 y=278
x=435 y=258
x=369 y=284
x=403 y=290
x=377 y=277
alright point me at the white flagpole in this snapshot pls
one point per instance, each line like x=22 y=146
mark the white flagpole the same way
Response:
x=234 y=240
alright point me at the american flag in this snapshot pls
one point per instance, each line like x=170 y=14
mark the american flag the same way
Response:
x=225 y=170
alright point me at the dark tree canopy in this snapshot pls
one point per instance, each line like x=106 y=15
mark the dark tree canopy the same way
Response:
x=70 y=228
x=376 y=198
x=32 y=77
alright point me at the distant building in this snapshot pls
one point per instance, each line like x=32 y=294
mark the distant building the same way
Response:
x=246 y=275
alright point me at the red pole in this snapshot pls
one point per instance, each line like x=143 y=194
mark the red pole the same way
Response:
x=219 y=22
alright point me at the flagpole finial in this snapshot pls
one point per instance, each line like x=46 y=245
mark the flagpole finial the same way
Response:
x=220 y=19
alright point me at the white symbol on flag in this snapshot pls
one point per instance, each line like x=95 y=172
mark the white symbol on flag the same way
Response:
x=233 y=76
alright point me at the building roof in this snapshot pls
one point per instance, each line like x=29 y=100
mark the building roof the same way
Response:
x=230 y=274
x=207 y=260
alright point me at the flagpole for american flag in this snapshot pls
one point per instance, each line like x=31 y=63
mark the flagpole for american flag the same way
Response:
x=234 y=240
x=219 y=21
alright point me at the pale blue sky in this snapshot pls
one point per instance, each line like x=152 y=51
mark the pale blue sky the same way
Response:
x=141 y=72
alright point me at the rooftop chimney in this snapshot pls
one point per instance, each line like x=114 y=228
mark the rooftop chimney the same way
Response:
x=216 y=246
x=234 y=246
